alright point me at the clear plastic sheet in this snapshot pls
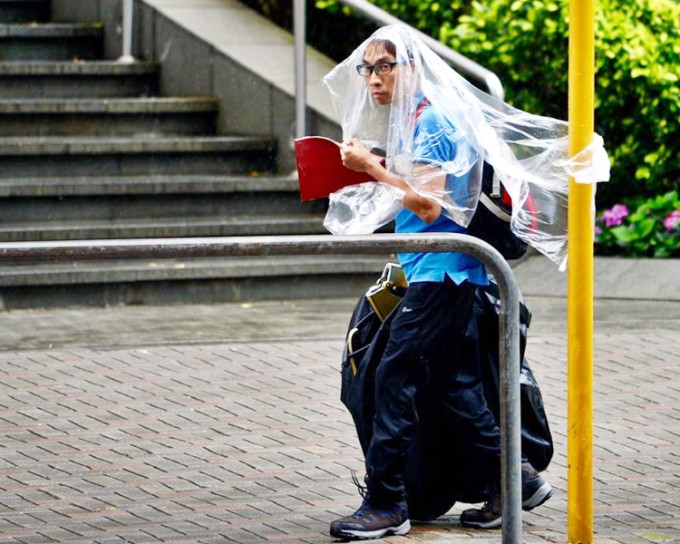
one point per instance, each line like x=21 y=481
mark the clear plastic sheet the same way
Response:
x=363 y=208
x=528 y=152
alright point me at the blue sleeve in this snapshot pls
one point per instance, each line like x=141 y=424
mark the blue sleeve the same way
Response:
x=434 y=142
x=434 y=138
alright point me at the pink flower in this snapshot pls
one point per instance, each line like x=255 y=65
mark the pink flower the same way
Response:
x=615 y=215
x=672 y=221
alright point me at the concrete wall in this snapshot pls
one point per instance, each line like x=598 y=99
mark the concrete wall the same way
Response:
x=220 y=48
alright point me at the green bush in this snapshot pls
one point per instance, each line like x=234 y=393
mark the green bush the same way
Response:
x=651 y=229
x=525 y=43
x=638 y=95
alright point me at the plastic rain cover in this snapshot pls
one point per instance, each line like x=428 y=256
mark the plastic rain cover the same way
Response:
x=528 y=152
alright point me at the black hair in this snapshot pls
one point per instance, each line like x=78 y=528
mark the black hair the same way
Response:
x=390 y=47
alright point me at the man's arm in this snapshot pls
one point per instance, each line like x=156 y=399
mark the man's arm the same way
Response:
x=356 y=156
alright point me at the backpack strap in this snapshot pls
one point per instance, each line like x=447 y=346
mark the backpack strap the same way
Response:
x=496 y=186
x=492 y=207
x=424 y=103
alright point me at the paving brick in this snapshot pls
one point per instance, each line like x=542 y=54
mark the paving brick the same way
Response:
x=248 y=442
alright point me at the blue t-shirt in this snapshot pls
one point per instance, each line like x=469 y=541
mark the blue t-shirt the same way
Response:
x=434 y=142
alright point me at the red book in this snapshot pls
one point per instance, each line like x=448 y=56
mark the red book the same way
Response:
x=320 y=168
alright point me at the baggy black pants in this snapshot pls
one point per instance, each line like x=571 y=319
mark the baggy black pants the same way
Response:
x=431 y=351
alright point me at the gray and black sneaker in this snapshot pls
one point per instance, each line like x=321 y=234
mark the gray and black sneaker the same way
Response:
x=487 y=517
x=535 y=491
x=373 y=522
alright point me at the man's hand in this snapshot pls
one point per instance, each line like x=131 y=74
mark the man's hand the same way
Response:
x=356 y=156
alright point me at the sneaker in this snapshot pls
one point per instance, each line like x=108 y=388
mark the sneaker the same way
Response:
x=535 y=491
x=486 y=517
x=373 y=522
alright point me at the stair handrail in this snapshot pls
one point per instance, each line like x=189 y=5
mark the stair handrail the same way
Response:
x=484 y=77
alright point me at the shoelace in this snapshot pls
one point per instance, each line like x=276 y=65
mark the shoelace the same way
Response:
x=366 y=505
x=493 y=505
x=363 y=489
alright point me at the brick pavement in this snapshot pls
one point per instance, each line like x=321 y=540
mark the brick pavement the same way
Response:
x=247 y=442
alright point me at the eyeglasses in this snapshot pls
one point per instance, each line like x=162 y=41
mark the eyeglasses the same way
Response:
x=380 y=69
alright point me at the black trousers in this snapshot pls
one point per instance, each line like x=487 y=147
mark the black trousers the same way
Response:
x=432 y=350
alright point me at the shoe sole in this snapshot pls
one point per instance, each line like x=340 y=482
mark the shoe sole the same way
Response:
x=493 y=524
x=541 y=495
x=401 y=530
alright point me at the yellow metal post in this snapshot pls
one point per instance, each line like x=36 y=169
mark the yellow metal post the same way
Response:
x=580 y=279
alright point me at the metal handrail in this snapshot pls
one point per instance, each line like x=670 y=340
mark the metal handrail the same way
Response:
x=509 y=347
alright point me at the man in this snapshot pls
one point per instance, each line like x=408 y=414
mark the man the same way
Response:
x=434 y=166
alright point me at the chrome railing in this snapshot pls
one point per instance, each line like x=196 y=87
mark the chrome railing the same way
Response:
x=484 y=78
x=509 y=347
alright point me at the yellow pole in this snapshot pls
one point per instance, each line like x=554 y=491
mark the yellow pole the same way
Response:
x=580 y=279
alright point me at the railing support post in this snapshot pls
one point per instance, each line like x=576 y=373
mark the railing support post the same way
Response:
x=299 y=28
x=128 y=8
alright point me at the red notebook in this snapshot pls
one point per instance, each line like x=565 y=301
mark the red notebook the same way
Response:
x=320 y=168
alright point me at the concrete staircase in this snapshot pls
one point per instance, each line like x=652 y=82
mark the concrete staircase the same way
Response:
x=88 y=150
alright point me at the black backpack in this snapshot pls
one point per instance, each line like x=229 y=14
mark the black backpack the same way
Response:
x=491 y=221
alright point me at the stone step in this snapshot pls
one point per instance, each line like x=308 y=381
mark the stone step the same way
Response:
x=50 y=41
x=24 y=11
x=145 y=197
x=88 y=151
x=172 y=281
x=147 y=117
x=107 y=156
x=162 y=227
x=151 y=184
x=91 y=79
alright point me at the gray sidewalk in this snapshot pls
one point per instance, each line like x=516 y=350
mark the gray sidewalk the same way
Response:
x=206 y=424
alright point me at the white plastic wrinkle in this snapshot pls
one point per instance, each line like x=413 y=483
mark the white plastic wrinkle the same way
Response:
x=529 y=152
x=590 y=165
x=363 y=208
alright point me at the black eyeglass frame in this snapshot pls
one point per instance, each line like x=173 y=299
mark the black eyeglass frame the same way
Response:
x=375 y=68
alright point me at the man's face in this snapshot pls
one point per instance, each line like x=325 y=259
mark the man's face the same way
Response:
x=381 y=87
